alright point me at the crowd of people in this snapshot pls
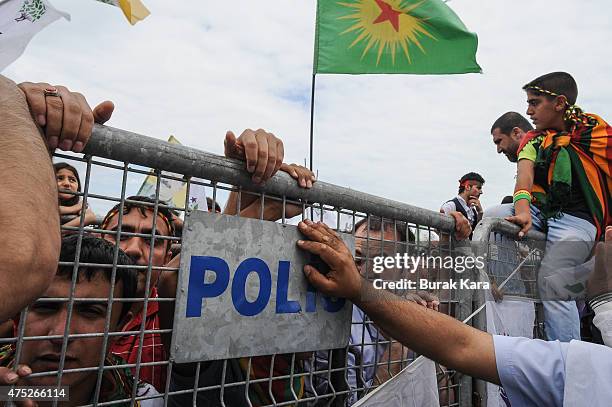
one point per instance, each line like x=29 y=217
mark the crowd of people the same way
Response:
x=119 y=270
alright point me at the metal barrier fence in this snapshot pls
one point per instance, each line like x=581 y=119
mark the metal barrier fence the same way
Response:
x=72 y=333
x=512 y=266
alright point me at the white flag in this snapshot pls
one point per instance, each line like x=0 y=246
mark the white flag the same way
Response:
x=511 y=317
x=416 y=385
x=20 y=20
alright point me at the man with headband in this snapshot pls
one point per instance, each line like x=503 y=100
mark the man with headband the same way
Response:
x=137 y=225
x=563 y=187
x=467 y=202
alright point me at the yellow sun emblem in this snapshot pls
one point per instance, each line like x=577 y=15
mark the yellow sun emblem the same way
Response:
x=387 y=24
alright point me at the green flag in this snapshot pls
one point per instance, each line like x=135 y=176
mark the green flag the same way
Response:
x=392 y=36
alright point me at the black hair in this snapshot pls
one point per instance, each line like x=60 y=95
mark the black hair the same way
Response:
x=144 y=202
x=75 y=198
x=510 y=120
x=376 y=226
x=507 y=199
x=98 y=251
x=560 y=83
x=470 y=176
x=209 y=202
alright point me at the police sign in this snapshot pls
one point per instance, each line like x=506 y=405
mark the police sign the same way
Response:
x=241 y=292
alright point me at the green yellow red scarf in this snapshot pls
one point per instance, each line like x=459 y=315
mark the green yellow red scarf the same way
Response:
x=587 y=150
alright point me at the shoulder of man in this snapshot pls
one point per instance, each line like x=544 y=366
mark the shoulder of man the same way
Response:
x=449 y=206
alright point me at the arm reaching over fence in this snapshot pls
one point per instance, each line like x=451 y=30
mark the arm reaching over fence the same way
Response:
x=28 y=189
x=532 y=371
x=456 y=345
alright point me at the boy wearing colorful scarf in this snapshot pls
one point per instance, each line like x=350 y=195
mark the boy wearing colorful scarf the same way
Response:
x=563 y=187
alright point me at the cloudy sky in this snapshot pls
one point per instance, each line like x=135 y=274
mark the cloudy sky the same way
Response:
x=196 y=68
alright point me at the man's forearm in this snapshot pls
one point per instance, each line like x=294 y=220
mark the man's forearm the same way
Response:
x=433 y=334
x=246 y=199
x=524 y=176
x=29 y=218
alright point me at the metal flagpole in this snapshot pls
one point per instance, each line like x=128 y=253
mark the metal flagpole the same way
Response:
x=312 y=98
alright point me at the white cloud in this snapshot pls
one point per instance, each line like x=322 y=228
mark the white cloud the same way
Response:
x=199 y=68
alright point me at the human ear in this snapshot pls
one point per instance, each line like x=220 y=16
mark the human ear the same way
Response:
x=561 y=103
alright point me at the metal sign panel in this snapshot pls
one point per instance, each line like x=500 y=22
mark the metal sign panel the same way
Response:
x=241 y=292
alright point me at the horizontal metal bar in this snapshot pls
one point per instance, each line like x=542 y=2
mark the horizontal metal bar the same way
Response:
x=88 y=335
x=125 y=146
x=489 y=225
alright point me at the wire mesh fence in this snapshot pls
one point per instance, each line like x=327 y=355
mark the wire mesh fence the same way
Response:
x=105 y=327
x=512 y=268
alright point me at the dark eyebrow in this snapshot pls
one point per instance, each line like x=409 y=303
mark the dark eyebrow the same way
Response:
x=124 y=228
x=92 y=302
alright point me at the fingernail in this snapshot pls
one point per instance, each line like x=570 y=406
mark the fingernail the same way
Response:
x=250 y=168
x=300 y=242
x=41 y=119
x=12 y=377
x=256 y=180
x=78 y=147
x=53 y=142
x=66 y=145
x=309 y=184
x=25 y=370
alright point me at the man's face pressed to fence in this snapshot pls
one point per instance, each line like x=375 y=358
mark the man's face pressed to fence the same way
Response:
x=50 y=318
x=369 y=246
x=139 y=248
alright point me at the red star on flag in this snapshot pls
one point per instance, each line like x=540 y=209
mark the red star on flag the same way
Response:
x=387 y=13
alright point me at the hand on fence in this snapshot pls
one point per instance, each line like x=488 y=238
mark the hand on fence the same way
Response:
x=343 y=279
x=462 y=226
x=262 y=151
x=8 y=377
x=65 y=116
x=303 y=175
x=71 y=210
x=522 y=217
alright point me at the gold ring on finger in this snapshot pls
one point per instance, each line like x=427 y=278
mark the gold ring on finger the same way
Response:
x=51 y=92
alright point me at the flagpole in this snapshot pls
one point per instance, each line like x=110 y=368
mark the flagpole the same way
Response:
x=312 y=98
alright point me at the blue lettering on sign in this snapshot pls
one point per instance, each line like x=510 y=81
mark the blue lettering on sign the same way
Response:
x=283 y=305
x=242 y=305
x=199 y=289
x=311 y=299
